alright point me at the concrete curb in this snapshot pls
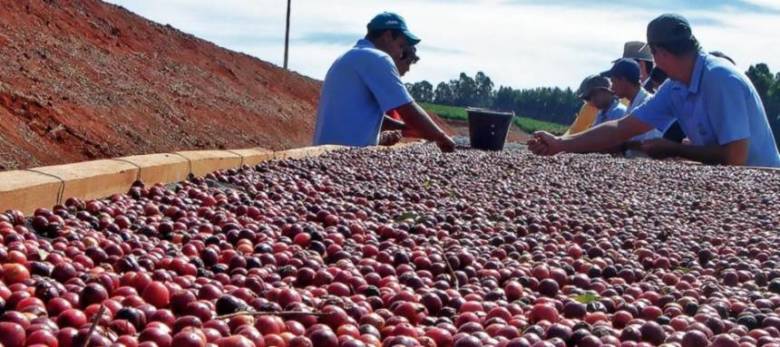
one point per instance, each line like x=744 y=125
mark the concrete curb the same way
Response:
x=27 y=190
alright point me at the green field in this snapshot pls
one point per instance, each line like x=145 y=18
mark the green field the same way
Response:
x=528 y=125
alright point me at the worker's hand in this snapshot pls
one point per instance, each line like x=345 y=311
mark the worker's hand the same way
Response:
x=660 y=148
x=544 y=143
x=445 y=143
x=389 y=138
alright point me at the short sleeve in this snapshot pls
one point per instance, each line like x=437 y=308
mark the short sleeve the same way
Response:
x=381 y=77
x=726 y=105
x=657 y=110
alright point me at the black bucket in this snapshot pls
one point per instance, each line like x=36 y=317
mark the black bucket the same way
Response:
x=488 y=129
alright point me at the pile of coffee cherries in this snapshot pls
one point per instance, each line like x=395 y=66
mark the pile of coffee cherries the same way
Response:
x=406 y=247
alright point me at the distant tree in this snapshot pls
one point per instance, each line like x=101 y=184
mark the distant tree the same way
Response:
x=504 y=99
x=464 y=90
x=768 y=87
x=422 y=91
x=443 y=94
x=762 y=79
x=548 y=104
x=484 y=93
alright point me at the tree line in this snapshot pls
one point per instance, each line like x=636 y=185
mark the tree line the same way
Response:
x=768 y=87
x=551 y=104
x=557 y=105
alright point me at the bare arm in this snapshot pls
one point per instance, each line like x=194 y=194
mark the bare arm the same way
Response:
x=417 y=119
x=734 y=153
x=605 y=136
x=602 y=138
x=611 y=134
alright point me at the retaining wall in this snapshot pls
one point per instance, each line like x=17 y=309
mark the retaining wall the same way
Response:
x=26 y=190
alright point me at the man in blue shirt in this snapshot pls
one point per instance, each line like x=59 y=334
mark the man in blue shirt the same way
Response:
x=364 y=84
x=625 y=76
x=596 y=90
x=716 y=105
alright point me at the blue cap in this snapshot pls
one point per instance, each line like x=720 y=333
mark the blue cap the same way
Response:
x=392 y=21
x=624 y=68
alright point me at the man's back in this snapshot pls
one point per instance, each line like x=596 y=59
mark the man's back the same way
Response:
x=360 y=87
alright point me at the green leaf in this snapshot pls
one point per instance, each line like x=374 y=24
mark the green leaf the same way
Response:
x=586 y=298
x=405 y=216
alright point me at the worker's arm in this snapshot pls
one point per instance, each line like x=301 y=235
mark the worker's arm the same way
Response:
x=416 y=119
x=733 y=153
x=389 y=123
x=601 y=138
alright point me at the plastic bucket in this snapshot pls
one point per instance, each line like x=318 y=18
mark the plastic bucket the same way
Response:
x=488 y=129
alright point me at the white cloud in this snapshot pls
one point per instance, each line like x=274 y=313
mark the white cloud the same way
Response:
x=524 y=44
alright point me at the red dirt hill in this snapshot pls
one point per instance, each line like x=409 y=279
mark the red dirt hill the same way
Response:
x=83 y=79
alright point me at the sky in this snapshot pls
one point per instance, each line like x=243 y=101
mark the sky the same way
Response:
x=518 y=43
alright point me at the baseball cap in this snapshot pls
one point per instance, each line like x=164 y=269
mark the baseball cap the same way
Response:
x=624 y=68
x=668 y=27
x=392 y=21
x=636 y=50
x=591 y=83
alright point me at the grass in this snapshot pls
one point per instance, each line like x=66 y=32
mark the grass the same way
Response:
x=446 y=112
x=528 y=125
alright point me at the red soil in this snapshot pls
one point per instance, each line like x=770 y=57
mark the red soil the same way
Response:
x=83 y=79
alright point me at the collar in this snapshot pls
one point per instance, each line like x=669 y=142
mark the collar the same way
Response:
x=364 y=43
x=698 y=72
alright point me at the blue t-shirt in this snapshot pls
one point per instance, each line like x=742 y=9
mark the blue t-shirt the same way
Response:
x=360 y=87
x=616 y=110
x=719 y=106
